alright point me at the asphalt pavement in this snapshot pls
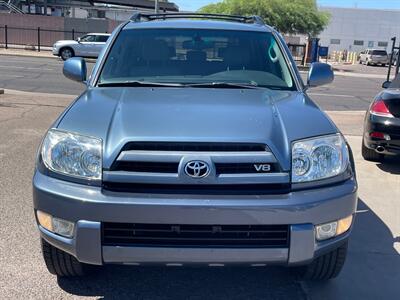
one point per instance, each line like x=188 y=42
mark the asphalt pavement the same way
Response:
x=37 y=74
x=371 y=270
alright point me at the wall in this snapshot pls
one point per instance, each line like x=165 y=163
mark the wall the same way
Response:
x=52 y=28
x=368 y=25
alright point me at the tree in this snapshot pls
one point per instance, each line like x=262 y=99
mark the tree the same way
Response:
x=287 y=16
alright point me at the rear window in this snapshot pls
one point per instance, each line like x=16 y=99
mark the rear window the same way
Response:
x=189 y=56
x=101 y=38
x=379 y=52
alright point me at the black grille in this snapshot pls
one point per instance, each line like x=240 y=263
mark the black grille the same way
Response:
x=167 y=167
x=172 y=235
x=195 y=147
x=242 y=168
x=198 y=189
x=140 y=166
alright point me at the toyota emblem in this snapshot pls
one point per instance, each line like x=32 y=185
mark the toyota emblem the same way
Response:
x=197 y=169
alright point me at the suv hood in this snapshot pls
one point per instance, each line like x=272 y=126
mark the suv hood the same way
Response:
x=66 y=42
x=120 y=115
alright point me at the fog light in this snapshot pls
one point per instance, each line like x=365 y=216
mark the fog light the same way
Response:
x=63 y=227
x=56 y=225
x=332 y=229
x=326 y=231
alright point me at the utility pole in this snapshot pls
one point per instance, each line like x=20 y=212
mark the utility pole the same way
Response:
x=156 y=7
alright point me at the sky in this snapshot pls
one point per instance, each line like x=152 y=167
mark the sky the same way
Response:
x=192 y=5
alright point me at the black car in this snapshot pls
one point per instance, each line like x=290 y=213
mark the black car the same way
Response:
x=382 y=124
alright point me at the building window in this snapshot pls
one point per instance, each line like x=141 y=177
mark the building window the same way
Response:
x=335 y=42
x=371 y=44
x=382 y=44
x=358 y=43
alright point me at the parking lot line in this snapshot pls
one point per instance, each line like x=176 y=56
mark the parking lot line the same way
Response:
x=25 y=68
x=331 y=95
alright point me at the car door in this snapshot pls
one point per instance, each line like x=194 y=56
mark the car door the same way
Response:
x=368 y=56
x=86 y=47
x=99 y=44
x=363 y=56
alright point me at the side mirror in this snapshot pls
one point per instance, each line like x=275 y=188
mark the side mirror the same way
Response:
x=78 y=39
x=386 y=84
x=75 y=69
x=319 y=74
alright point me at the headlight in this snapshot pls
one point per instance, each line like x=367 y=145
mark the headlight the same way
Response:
x=72 y=154
x=319 y=158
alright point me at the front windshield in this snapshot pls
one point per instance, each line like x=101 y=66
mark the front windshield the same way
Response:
x=188 y=56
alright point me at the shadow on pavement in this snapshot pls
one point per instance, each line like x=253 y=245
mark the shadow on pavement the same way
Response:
x=120 y=282
x=390 y=165
x=371 y=272
x=372 y=269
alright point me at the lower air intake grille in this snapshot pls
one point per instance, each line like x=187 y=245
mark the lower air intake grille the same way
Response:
x=170 y=235
x=199 y=189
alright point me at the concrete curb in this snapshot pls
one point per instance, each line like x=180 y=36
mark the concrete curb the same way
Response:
x=27 y=55
x=38 y=94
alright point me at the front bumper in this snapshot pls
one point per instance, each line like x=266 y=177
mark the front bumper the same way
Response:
x=55 y=51
x=389 y=126
x=90 y=206
x=377 y=60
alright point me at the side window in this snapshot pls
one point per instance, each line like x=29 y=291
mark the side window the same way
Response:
x=101 y=38
x=88 y=38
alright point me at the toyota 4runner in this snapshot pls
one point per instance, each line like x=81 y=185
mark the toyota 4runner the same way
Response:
x=195 y=142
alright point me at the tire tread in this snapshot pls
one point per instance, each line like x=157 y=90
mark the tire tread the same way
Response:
x=327 y=266
x=61 y=263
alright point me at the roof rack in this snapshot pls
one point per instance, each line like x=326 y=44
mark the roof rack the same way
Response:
x=139 y=17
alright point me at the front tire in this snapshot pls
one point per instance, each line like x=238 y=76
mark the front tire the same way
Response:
x=66 y=53
x=327 y=266
x=61 y=263
x=370 y=154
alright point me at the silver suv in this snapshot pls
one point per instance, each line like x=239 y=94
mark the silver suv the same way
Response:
x=89 y=45
x=195 y=142
x=374 y=57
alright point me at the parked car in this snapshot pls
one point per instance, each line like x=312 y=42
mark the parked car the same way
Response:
x=195 y=142
x=89 y=45
x=382 y=124
x=374 y=57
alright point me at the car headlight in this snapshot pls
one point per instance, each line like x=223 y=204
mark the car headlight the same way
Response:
x=72 y=154
x=319 y=158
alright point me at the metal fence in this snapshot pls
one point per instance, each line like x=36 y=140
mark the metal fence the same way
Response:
x=40 y=38
x=298 y=52
x=34 y=38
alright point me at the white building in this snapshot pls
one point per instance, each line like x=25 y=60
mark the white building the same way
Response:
x=355 y=29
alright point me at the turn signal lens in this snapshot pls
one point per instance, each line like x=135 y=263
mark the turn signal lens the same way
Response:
x=45 y=220
x=344 y=225
x=379 y=108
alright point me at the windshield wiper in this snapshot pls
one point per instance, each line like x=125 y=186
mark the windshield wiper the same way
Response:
x=138 y=83
x=229 y=85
